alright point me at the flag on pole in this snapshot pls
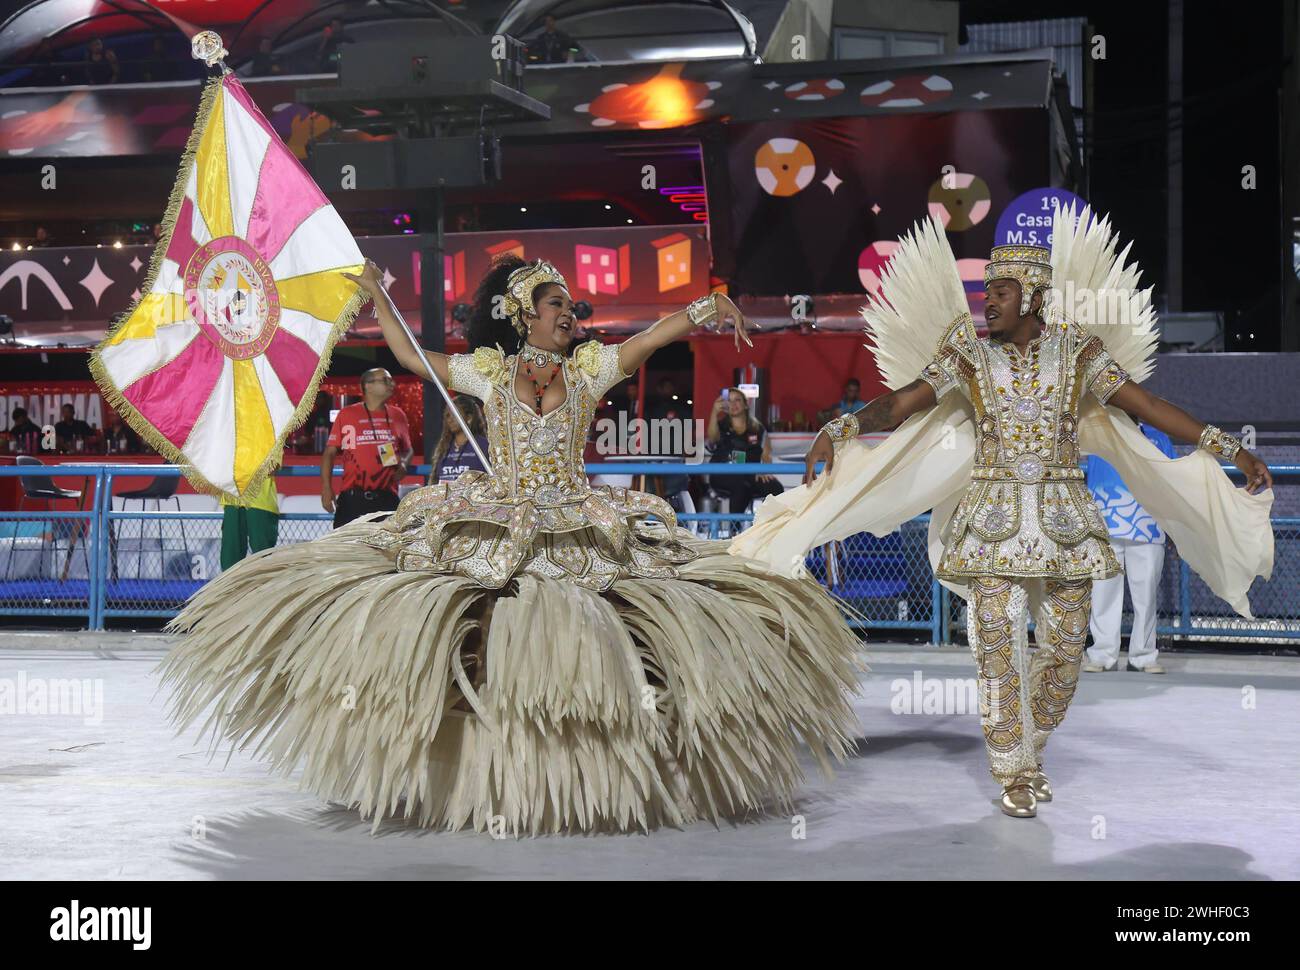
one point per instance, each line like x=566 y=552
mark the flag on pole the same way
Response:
x=219 y=361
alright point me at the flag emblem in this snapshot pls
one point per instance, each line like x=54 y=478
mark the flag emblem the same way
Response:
x=233 y=297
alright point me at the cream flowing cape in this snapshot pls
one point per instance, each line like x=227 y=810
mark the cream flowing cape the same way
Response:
x=1223 y=532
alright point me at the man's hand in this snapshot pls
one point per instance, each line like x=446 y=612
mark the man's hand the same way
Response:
x=1257 y=476
x=821 y=450
x=327 y=498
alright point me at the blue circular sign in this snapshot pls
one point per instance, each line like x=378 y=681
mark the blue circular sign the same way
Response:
x=1027 y=221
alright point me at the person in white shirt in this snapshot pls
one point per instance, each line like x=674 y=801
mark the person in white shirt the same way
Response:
x=1139 y=545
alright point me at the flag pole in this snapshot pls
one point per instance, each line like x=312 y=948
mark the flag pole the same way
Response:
x=432 y=376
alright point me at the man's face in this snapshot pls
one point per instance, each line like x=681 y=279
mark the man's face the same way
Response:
x=379 y=385
x=851 y=390
x=1002 y=308
x=67 y=412
x=550 y=24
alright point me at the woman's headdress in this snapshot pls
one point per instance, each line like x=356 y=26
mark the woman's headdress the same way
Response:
x=520 y=286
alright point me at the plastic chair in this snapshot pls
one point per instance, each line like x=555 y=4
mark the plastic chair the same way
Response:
x=41 y=488
x=159 y=490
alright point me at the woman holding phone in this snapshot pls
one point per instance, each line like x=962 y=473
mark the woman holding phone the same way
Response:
x=735 y=435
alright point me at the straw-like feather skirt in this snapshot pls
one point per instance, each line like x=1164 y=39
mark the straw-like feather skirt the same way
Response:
x=657 y=701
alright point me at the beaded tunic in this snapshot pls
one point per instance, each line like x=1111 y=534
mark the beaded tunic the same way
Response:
x=1027 y=510
x=536 y=512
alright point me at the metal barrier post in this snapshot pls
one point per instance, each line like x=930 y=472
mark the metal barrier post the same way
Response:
x=105 y=543
x=936 y=612
x=94 y=618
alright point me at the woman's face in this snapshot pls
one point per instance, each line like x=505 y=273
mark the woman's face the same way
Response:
x=553 y=326
x=470 y=414
x=736 y=404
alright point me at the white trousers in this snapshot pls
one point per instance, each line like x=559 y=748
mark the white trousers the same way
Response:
x=1143 y=563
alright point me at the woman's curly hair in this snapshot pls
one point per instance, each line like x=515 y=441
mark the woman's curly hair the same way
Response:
x=486 y=330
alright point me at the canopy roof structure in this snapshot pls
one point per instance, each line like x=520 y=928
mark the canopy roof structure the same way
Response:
x=641 y=29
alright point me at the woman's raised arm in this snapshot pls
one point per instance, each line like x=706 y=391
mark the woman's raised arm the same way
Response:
x=635 y=351
x=372 y=282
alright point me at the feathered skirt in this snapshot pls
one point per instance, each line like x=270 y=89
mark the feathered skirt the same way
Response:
x=540 y=706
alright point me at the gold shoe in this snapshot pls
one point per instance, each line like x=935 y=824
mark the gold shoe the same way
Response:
x=1041 y=786
x=1018 y=799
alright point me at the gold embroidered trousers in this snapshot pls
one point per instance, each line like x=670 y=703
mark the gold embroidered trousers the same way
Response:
x=1022 y=700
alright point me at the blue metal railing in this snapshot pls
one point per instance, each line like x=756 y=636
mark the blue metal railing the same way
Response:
x=873 y=575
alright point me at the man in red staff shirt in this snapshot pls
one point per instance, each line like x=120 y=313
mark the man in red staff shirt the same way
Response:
x=376 y=445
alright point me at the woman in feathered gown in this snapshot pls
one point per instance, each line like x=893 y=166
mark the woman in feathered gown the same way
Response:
x=519 y=651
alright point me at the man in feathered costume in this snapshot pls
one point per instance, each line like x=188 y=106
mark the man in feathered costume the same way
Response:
x=1013 y=526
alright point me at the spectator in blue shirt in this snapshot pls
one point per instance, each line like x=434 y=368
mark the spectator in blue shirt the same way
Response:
x=1139 y=545
x=852 y=397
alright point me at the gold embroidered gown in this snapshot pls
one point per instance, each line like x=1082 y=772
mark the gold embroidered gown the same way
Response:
x=521 y=652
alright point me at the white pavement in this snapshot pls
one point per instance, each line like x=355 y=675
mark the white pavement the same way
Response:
x=1188 y=776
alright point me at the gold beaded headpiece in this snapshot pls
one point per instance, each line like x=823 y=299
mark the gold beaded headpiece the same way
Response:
x=520 y=286
x=1030 y=266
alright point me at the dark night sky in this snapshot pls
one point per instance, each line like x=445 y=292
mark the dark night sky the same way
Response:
x=1233 y=256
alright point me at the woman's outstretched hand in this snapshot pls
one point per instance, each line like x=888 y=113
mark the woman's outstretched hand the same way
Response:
x=371 y=280
x=727 y=310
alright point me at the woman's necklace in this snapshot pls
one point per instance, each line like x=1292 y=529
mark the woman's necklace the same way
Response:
x=535 y=355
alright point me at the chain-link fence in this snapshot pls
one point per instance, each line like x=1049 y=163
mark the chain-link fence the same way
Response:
x=72 y=552
x=47 y=544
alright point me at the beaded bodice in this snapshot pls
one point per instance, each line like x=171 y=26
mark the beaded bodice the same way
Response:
x=537 y=456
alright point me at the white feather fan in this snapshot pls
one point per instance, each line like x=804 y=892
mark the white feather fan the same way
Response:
x=1093 y=287
x=920 y=296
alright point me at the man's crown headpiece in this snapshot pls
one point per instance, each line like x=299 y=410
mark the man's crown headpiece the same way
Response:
x=1030 y=266
x=520 y=286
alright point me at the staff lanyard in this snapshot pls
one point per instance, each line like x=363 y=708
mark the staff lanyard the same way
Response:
x=374 y=432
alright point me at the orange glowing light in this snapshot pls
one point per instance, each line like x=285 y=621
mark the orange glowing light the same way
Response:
x=664 y=101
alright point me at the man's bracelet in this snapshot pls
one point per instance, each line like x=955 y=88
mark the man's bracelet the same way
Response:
x=842 y=428
x=1219 y=443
